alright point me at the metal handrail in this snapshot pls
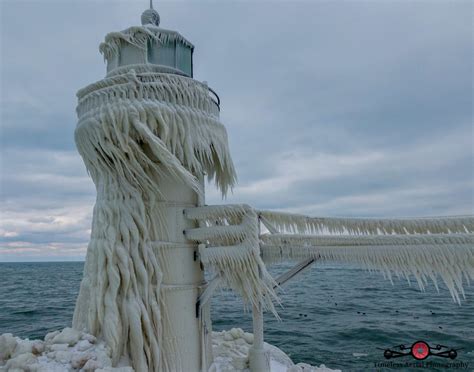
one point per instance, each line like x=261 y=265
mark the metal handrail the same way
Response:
x=216 y=98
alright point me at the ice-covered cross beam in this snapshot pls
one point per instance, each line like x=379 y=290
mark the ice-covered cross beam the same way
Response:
x=421 y=247
x=300 y=224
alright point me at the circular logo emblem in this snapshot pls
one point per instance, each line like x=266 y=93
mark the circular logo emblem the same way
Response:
x=420 y=350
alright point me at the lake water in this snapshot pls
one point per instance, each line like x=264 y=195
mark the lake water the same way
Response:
x=338 y=315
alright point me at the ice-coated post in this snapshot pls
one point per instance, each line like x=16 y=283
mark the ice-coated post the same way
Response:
x=258 y=359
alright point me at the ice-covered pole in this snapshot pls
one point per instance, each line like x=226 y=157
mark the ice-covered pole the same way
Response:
x=258 y=359
x=148 y=133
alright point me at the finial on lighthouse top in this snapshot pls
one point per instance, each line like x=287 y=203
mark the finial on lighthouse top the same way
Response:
x=150 y=16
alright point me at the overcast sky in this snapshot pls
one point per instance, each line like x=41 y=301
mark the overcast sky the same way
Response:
x=332 y=108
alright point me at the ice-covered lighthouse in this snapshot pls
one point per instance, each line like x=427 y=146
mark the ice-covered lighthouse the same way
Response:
x=148 y=134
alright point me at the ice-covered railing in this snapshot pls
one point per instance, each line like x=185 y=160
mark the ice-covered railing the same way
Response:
x=421 y=256
x=425 y=248
x=232 y=245
x=296 y=223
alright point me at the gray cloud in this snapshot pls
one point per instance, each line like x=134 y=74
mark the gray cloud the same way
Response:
x=332 y=108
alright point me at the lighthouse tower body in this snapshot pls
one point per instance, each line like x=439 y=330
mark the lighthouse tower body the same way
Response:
x=148 y=134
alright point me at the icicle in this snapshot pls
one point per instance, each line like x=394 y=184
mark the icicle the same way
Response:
x=199 y=140
x=239 y=263
x=423 y=256
x=294 y=223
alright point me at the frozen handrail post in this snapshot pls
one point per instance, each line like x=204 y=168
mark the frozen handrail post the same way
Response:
x=258 y=360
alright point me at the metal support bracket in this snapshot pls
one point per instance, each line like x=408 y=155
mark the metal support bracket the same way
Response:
x=297 y=269
x=206 y=295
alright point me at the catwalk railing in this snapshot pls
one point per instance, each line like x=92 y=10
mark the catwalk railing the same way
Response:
x=236 y=241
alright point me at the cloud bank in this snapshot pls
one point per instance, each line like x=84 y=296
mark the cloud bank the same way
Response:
x=332 y=108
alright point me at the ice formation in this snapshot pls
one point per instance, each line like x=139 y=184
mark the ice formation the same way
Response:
x=68 y=350
x=232 y=250
x=231 y=354
x=139 y=37
x=300 y=224
x=424 y=248
x=74 y=351
x=423 y=257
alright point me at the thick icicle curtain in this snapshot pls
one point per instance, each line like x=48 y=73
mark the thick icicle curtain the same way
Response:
x=230 y=247
x=133 y=130
x=424 y=248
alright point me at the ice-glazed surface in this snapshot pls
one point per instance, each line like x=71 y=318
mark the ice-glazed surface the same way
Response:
x=231 y=353
x=60 y=351
x=71 y=350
